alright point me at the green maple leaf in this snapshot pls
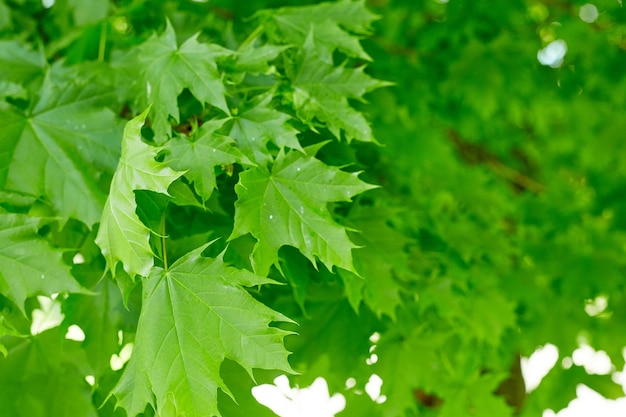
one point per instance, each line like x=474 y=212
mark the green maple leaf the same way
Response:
x=330 y=21
x=195 y=315
x=20 y=64
x=13 y=90
x=476 y=397
x=44 y=375
x=5 y=16
x=489 y=314
x=28 y=264
x=409 y=358
x=6 y=329
x=321 y=91
x=199 y=155
x=254 y=127
x=122 y=236
x=379 y=260
x=484 y=313
x=240 y=385
x=100 y=317
x=287 y=205
x=61 y=148
x=168 y=69
x=255 y=59
x=88 y=11
x=334 y=342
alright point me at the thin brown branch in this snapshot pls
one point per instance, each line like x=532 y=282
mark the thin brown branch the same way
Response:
x=474 y=154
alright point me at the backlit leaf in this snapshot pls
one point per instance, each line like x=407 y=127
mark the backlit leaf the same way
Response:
x=195 y=315
x=331 y=23
x=18 y=63
x=61 y=149
x=259 y=124
x=168 y=69
x=28 y=264
x=380 y=260
x=51 y=378
x=287 y=205
x=321 y=91
x=122 y=237
x=200 y=155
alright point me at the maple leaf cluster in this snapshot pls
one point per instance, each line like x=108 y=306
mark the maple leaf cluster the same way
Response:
x=219 y=140
x=197 y=197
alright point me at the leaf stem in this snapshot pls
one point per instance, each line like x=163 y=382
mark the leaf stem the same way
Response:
x=103 y=41
x=516 y=177
x=447 y=364
x=251 y=37
x=163 y=237
x=251 y=88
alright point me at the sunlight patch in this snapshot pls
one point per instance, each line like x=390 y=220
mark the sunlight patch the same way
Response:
x=75 y=333
x=372 y=388
x=47 y=316
x=594 y=361
x=588 y=13
x=537 y=366
x=313 y=401
x=117 y=361
x=552 y=55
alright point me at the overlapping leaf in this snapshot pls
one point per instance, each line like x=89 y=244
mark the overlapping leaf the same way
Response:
x=334 y=342
x=287 y=205
x=28 y=264
x=43 y=376
x=255 y=59
x=332 y=23
x=122 y=237
x=5 y=16
x=201 y=154
x=61 y=149
x=100 y=318
x=381 y=258
x=409 y=359
x=5 y=330
x=254 y=127
x=240 y=385
x=168 y=69
x=19 y=63
x=321 y=91
x=195 y=315
x=476 y=398
x=484 y=313
x=90 y=11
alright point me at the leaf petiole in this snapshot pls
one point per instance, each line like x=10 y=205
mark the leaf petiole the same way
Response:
x=103 y=42
x=251 y=38
x=163 y=237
